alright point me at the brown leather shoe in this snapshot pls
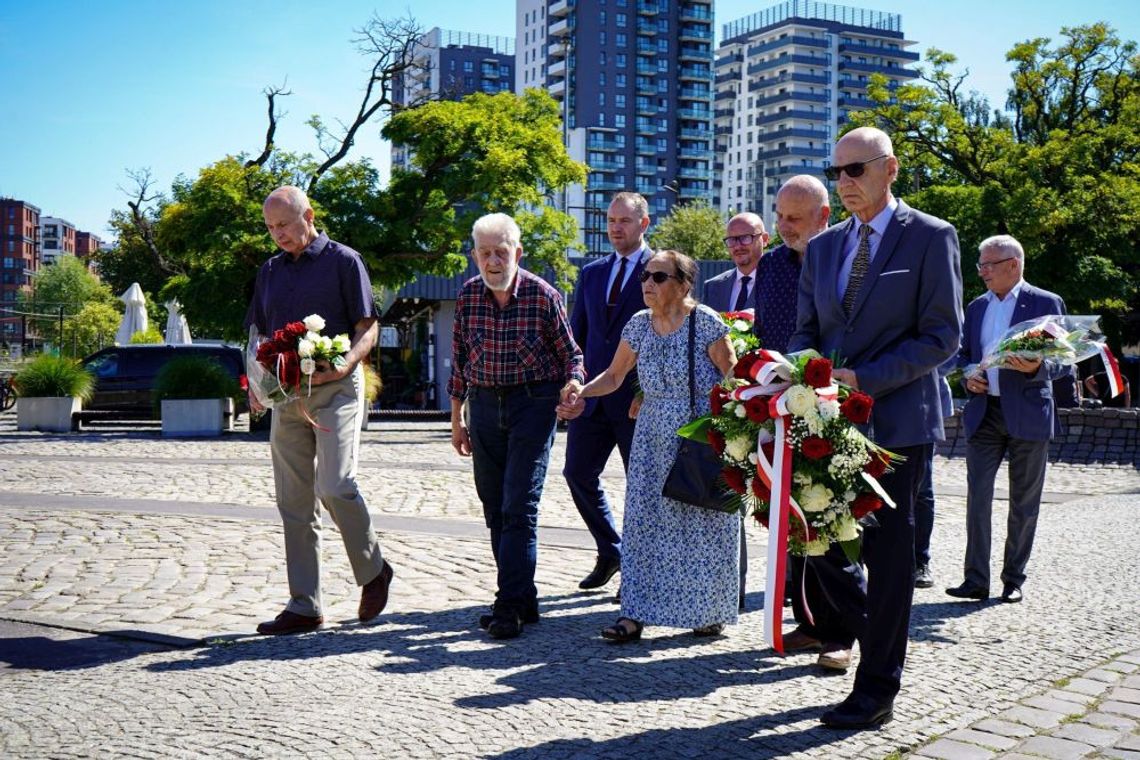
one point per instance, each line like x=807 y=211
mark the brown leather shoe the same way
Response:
x=290 y=622
x=798 y=641
x=374 y=595
x=834 y=657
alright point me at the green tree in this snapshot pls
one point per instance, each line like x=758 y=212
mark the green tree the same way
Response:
x=1058 y=170
x=694 y=229
x=91 y=329
x=66 y=284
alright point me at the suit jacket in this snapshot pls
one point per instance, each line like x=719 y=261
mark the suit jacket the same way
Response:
x=717 y=290
x=1026 y=400
x=598 y=333
x=906 y=321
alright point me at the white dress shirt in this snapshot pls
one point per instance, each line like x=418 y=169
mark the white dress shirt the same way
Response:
x=999 y=314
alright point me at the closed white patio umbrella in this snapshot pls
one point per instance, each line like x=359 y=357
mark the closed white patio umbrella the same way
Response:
x=177 y=331
x=134 y=317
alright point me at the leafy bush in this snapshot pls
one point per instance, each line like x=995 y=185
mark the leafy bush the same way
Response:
x=55 y=376
x=373 y=385
x=194 y=377
x=149 y=335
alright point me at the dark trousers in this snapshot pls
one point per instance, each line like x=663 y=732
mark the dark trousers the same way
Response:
x=888 y=551
x=836 y=592
x=924 y=515
x=1027 y=460
x=589 y=442
x=511 y=431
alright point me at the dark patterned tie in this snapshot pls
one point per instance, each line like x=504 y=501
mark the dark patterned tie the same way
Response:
x=615 y=289
x=858 y=268
x=742 y=296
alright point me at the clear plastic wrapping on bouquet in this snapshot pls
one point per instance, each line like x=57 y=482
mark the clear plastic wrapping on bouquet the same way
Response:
x=265 y=384
x=1062 y=338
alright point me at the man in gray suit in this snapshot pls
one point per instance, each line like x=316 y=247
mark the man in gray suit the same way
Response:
x=883 y=292
x=1010 y=411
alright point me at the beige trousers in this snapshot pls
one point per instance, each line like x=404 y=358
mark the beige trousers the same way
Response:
x=313 y=466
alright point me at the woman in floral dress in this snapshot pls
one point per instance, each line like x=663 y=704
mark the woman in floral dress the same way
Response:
x=680 y=563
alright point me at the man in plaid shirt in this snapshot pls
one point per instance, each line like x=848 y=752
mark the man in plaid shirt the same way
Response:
x=512 y=351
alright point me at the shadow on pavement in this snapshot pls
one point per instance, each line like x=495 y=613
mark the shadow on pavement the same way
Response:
x=927 y=618
x=65 y=650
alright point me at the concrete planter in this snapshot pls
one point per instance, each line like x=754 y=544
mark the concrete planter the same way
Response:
x=196 y=417
x=50 y=414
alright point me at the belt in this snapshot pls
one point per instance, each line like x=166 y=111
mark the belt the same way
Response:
x=503 y=391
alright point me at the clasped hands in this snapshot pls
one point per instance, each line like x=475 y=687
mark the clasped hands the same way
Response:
x=570 y=401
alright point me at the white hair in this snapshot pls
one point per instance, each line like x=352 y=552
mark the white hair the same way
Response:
x=1006 y=244
x=497 y=225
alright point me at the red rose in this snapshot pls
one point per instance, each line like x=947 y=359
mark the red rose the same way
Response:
x=878 y=464
x=290 y=369
x=857 y=408
x=717 y=397
x=864 y=504
x=769 y=450
x=761 y=491
x=734 y=477
x=743 y=368
x=817 y=373
x=796 y=531
x=761 y=517
x=281 y=338
x=745 y=315
x=295 y=329
x=814 y=447
x=267 y=353
x=757 y=409
x=716 y=440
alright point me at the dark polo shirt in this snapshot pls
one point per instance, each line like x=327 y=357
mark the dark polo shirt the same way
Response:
x=328 y=279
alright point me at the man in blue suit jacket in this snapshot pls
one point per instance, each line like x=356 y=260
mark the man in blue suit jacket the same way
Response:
x=608 y=293
x=883 y=292
x=1009 y=411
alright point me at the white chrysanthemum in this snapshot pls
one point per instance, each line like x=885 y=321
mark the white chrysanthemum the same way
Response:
x=816 y=548
x=847 y=529
x=801 y=478
x=739 y=447
x=815 y=498
x=828 y=408
x=741 y=326
x=800 y=400
x=314 y=323
x=341 y=344
x=305 y=348
x=308 y=366
x=740 y=411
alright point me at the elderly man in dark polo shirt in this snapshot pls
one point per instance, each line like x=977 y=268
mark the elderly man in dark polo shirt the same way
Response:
x=315 y=275
x=512 y=351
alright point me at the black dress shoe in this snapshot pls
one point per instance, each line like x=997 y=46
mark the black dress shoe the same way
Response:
x=604 y=569
x=505 y=624
x=529 y=615
x=1011 y=594
x=290 y=622
x=859 y=711
x=922 y=577
x=969 y=591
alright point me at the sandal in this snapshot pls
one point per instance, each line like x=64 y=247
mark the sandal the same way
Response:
x=715 y=629
x=621 y=633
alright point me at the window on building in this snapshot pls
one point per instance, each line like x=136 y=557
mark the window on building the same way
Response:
x=601 y=79
x=620 y=39
x=621 y=60
x=619 y=101
x=601 y=18
x=663 y=85
x=619 y=120
x=621 y=20
x=662 y=65
x=602 y=57
x=468 y=65
x=662 y=45
x=601 y=98
x=620 y=80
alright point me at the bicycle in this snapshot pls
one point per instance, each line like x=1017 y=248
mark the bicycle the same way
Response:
x=7 y=394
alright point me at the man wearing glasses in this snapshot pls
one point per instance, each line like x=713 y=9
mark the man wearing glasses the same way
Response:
x=1010 y=411
x=733 y=290
x=882 y=291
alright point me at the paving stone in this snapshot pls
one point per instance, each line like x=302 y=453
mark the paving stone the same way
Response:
x=1086 y=686
x=1032 y=716
x=947 y=749
x=1121 y=708
x=1129 y=742
x=1124 y=695
x=1085 y=734
x=1004 y=728
x=1054 y=748
x=1110 y=721
x=982 y=738
x=1063 y=706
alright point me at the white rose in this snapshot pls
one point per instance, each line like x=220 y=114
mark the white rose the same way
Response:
x=740 y=411
x=815 y=498
x=741 y=326
x=816 y=548
x=305 y=348
x=326 y=344
x=312 y=336
x=341 y=344
x=847 y=529
x=800 y=400
x=738 y=346
x=828 y=408
x=738 y=448
x=314 y=323
x=308 y=366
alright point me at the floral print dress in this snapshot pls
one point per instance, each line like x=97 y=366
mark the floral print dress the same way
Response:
x=680 y=564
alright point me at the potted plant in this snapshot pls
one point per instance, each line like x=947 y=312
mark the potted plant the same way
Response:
x=49 y=390
x=196 y=397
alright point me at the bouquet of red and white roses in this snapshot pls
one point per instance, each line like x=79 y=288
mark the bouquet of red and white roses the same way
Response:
x=740 y=332
x=277 y=366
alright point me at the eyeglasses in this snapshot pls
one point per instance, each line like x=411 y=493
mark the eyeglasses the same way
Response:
x=732 y=240
x=658 y=277
x=984 y=265
x=853 y=169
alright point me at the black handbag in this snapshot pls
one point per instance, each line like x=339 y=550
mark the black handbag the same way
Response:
x=695 y=476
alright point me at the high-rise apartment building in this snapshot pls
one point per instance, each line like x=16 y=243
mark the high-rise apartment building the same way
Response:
x=19 y=259
x=452 y=65
x=635 y=80
x=786 y=79
x=57 y=238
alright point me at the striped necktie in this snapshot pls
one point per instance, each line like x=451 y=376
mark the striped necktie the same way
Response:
x=859 y=268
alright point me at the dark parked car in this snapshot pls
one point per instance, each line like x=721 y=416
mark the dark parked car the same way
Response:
x=124 y=375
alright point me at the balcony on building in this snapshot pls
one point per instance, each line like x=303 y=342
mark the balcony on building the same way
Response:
x=688 y=133
x=801 y=151
x=856 y=102
x=557 y=50
x=646 y=68
x=730 y=60
x=856 y=48
x=690 y=53
x=696 y=153
x=645 y=148
x=821 y=115
x=556 y=70
x=561 y=8
x=646 y=88
x=783 y=97
x=725 y=96
x=871 y=68
x=723 y=113
x=695 y=93
x=648 y=7
x=785 y=60
x=605 y=165
x=696 y=12
x=695 y=34
x=695 y=172
x=645 y=127
x=561 y=28
x=646 y=107
x=646 y=188
x=557 y=89
x=694 y=113
x=795 y=39
x=782 y=134
x=787 y=78
x=698 y=73
x=602 y=182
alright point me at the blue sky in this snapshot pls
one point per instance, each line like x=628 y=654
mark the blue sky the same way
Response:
x=90 y=89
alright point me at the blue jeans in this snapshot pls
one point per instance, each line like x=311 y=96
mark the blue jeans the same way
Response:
x=511 y=432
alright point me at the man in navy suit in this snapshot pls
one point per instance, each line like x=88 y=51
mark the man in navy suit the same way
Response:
x=607 y=295
x=734 y=290
x=883 y=292
x=1010 y=411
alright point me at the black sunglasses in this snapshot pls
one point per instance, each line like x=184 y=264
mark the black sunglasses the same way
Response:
x=658 y=277
x=853 y=169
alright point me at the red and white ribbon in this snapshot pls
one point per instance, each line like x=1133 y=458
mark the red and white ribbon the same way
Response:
x=1112 y=369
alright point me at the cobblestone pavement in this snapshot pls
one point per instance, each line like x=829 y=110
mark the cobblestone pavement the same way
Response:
x=86 y=543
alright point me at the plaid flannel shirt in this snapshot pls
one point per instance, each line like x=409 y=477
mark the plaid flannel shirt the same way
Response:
x=529 y=340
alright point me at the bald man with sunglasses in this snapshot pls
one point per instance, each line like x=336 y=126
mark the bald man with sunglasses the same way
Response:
x=882 y=291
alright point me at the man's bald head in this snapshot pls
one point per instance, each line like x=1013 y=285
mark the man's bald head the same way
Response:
x=289 y=219
x=802 y=211
x=749 y=227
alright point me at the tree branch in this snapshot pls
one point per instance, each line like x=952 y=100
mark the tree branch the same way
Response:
x=271 y=94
